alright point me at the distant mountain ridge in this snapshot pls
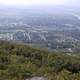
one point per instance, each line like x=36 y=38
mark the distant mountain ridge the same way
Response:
x=50 y=9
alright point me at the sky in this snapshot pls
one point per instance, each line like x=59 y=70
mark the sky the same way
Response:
x=40 y=2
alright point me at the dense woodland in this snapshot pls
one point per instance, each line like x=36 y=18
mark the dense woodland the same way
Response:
x=19 y=62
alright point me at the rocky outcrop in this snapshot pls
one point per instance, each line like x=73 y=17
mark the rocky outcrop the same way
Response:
x=37 y=78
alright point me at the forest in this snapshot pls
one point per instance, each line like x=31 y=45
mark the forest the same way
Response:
x=19 y=62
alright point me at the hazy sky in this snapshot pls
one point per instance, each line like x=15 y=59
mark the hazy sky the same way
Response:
x=40 y=2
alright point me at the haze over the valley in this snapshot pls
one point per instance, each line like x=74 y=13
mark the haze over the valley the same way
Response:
x=54 y=24
x=39 y=2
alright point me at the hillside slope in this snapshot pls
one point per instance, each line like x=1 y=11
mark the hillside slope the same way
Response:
x=19 y=62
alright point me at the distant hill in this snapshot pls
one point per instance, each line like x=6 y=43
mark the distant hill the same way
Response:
x=49 y=9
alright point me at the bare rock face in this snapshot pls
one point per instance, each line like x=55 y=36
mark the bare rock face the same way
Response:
x=37 y=78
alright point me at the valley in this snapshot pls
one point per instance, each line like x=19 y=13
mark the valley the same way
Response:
x=57 y=32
